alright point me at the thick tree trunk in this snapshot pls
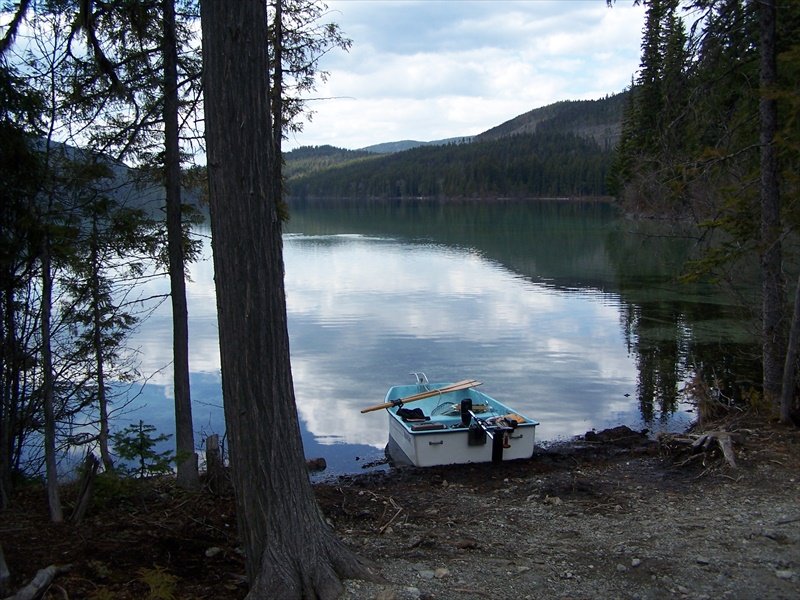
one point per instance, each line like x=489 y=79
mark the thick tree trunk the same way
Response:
x=771 y=257
x=184 y=429
x=290 y=550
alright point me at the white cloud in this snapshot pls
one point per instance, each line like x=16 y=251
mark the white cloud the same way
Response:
x=438 y=69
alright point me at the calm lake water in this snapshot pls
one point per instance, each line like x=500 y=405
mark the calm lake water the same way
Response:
x=565 y=311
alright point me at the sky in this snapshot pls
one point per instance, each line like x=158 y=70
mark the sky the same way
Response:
x=436 y=69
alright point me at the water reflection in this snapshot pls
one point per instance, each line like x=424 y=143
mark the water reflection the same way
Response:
x=366 y=312
x=559 y=308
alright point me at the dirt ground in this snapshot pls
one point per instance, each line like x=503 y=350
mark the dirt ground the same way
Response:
x=618 y=517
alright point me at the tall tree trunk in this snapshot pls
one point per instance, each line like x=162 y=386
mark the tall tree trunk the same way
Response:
x=184 y=430
x=771 y=258
x=790 y=364
x=97 y=342
x=48 y=399
x=7 y=399
x=290 y=550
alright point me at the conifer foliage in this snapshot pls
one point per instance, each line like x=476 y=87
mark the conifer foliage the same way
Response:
x=710 y=136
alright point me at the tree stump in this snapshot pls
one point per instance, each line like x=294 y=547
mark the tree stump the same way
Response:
x=91 y=465
x=215 y=469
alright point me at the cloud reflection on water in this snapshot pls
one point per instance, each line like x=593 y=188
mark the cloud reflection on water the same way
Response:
x=366 y=311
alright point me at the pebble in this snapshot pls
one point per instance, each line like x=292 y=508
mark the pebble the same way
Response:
x=213 y=551
x=621 y=568
x=441 y=573
x=702 y=560
x=635 y=562
x=407 y=593
x=784 y=574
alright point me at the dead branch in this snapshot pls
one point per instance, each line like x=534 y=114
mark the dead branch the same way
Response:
x=5 y=574
x=40 y=583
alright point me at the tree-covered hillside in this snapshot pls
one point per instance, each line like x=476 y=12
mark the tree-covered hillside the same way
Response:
x=559 y=150
x=599 y=120
x=310 y=159
x=541 y=164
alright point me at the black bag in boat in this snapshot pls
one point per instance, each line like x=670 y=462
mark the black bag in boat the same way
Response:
x=411 y=414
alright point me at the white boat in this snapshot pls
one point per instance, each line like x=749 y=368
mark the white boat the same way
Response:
x=453 y=423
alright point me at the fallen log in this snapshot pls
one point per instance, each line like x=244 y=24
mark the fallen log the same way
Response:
x=40 y=583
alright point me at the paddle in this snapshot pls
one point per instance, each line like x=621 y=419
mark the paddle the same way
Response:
x=461 y=385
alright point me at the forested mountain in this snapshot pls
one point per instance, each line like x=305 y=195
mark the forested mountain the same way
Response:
x=599 y=120
x=311 y=159
x=564 y=149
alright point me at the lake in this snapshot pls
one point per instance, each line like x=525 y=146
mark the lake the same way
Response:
x=564 y=310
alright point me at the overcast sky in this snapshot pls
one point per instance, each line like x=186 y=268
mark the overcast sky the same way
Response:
x=435 y=69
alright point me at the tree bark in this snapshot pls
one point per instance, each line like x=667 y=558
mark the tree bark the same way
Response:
x=790 y=364
x=90 y=466
x=8 y=395
x=187 y=476
x=97 y=340
x=771 y=257
x=215 y=470
x=290 y=550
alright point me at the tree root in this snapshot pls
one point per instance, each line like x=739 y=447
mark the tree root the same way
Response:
x=710 y=448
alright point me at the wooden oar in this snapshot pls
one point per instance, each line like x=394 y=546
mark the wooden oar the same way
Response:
x=461 y=385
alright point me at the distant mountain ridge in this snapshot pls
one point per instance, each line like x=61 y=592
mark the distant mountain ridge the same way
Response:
x=402 y=145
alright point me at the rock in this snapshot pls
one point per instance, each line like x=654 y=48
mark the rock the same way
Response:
x=441 y=573
x=407 y=593
x=316 y=464
x=784 y=574
x=213 y=551
x=635 y=562
x=621 y=568
x=427 y=574
x=702 y=560
x=466 y=544
x=621 y=436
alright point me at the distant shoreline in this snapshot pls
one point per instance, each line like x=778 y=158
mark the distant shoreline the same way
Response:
x=448 y=199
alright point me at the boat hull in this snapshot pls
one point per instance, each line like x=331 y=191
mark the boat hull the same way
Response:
x=445 y=438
